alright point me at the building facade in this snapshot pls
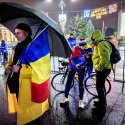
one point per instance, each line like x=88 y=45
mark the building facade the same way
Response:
x=6 y=34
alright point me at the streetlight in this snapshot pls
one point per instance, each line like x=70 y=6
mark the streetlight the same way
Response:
x=49 y=1
x=62 y=16
x=73 y=0
x=61 y=5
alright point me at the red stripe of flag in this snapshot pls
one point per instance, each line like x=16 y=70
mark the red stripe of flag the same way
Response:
x=40 y=92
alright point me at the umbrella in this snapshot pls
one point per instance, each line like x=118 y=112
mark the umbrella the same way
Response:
x=12 y=14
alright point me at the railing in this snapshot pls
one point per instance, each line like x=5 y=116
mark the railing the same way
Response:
x=9 y=50
x=119 y=69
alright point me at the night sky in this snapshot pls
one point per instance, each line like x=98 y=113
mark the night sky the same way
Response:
x=74 y=6
x=109 y=20
x=70 y=6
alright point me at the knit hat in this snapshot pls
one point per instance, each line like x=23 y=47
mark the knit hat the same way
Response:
x=82 y=43
x=71 y=34
x=24 y=27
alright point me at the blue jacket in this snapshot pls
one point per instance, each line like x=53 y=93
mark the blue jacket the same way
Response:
x=3 y=47
x=79 y=57
x=72 y=42
x=78 y=60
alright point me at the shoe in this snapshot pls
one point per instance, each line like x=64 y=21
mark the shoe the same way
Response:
x=81 y=104
x=64 y=100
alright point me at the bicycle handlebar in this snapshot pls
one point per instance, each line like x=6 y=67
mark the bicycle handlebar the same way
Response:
x=63 y=63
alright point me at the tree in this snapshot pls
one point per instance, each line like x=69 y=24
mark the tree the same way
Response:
x=79 y=26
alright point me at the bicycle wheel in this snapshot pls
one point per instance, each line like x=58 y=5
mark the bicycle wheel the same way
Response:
x=58 y=82
x=90 y=85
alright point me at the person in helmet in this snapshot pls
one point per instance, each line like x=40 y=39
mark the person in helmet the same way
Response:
x=78 y=63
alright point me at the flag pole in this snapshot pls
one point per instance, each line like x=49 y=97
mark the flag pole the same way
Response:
x=37 y=36
x=40 y=33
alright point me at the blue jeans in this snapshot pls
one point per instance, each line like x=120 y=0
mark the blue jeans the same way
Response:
x=69 y=82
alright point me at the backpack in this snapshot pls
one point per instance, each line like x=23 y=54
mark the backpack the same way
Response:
x=115 y=55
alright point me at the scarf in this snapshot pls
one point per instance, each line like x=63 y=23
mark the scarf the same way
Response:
x=76 y=53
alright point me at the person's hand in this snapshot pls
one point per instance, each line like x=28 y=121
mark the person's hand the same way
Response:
x=8 y=70
x=77 y=66
x=16 y=68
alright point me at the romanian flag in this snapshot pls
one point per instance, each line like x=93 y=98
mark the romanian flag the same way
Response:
x=37 y=55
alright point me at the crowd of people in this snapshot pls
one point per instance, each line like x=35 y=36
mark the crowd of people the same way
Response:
x=84 y=57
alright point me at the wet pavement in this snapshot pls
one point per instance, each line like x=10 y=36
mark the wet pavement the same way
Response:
x=70 y=114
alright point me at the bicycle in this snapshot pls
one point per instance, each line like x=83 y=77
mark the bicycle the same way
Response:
x=61 y=77
x=59 y=80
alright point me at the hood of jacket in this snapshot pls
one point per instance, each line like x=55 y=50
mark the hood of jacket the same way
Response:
x=97 y=36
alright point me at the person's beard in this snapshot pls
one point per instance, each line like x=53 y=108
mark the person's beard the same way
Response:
x=23 y=39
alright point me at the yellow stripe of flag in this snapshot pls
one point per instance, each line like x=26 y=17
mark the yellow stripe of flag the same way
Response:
x=41 y=69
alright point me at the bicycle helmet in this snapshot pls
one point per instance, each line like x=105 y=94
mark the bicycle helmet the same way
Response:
x=82 y=43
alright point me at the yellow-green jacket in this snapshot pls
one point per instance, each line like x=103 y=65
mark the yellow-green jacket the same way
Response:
x=102 y=52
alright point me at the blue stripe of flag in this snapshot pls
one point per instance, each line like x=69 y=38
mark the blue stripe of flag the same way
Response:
x=38 y=49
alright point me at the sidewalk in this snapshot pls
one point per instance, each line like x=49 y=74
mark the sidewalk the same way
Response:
x=71 y=115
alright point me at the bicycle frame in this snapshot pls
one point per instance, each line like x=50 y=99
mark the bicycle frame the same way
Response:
x=64 y=76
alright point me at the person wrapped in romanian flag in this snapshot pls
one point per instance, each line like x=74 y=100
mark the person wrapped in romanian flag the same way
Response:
x=80 y=60
x=27 y=83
